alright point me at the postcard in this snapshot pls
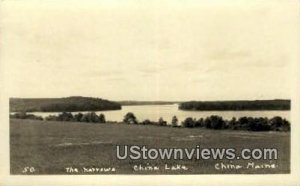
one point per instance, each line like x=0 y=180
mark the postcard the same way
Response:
x=181 y=92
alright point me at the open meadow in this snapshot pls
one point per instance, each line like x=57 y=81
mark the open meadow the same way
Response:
x=53 y=147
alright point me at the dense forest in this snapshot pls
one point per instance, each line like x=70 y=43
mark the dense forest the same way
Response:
x=68 y=104
x=236 y=105
x=129 y=103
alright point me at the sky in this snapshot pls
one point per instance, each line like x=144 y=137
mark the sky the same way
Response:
x=148 y=50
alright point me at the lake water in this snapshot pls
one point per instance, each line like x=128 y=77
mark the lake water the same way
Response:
x=154 y=112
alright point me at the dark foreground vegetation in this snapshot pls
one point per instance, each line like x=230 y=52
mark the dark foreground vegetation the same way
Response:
x=212 y=122
x=68 y=104
x=236 y=105
x=52 y=146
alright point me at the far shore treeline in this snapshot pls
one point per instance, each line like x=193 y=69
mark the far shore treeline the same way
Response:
x=78 y=103
x=236 y=105
x=276 y=123
x=68 y=104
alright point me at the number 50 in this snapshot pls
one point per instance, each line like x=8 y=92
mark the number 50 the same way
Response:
x=28 y=170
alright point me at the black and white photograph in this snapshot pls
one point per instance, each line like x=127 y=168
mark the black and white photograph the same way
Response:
x=149 y=87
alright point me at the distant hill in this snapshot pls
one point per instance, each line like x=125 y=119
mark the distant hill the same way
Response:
x=128 y=103
x=236 y=105
x=67 y=104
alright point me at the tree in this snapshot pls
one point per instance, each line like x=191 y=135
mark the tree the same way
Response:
x=207 y=123
x=65 y=116
x=279 y=124
x=286 y=126
x=188 y=122
x=199 y=123
x=243 y=123
x=174 y=121
x=161 y=122
x=78 y=116
x=217 y=122
x=93 y=117
x=259 y=124
x=102 y=118
x=232 y=123
x=130 y=118
x=84 y=118
x=276 y=122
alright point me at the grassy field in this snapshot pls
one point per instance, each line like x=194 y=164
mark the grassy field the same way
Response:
x=51 y=147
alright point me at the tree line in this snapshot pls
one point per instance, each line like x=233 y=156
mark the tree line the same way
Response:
x=276 y=123
x=68 y=104
x=236 y=105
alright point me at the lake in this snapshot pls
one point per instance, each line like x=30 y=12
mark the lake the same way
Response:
x=154 y=112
